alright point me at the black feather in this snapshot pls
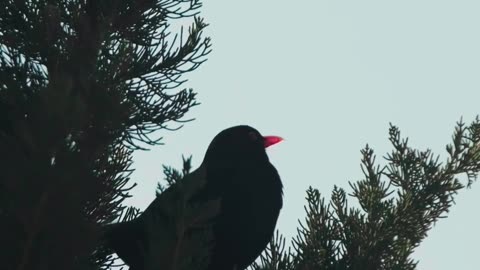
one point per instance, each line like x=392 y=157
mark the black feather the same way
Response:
x=237 y=172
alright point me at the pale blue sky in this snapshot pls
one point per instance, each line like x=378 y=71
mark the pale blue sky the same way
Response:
x=329 y=76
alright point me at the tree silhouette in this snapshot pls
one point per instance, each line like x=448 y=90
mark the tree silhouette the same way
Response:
x=398 y=204
x=83 y=83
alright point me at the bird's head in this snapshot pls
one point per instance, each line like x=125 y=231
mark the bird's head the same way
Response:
x=239 y=145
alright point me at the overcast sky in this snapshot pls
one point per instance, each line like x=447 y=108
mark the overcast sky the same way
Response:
x=329 y=76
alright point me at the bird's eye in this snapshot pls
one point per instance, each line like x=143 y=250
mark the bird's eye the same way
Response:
x=253 y=136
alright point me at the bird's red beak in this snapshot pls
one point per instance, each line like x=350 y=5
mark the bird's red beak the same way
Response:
x=271 y=140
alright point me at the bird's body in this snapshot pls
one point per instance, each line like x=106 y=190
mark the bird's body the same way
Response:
x=247 y=217
x=237 y=171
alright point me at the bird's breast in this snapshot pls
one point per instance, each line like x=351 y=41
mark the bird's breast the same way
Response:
x=251 y=203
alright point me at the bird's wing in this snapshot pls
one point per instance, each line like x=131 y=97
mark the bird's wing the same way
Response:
x=127 y=240
x=174 y=226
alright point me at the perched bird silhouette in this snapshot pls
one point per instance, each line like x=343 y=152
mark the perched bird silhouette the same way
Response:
x=235 y=171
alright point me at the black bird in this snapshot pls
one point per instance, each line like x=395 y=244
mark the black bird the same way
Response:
x=236 y=170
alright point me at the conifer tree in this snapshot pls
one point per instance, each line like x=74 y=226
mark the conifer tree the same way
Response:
x=398 y=204
x=83 y=83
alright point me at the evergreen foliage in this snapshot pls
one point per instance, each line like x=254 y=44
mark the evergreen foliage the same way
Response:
x=83 y=83
x=398 y=204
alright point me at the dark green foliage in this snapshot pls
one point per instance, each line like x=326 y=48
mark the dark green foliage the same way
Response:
x=82 y=84
x=172 y=175
x=398 y=204
x=275 y=256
